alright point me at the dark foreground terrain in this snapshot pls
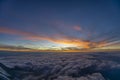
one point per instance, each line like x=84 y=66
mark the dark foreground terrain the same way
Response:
x=60 y=66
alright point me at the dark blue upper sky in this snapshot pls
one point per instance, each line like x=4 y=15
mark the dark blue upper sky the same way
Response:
x=22 y=22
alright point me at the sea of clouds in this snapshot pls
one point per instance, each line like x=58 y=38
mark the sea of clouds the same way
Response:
x=58 y=66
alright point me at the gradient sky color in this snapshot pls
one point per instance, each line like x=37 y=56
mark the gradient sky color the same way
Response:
x=59 y=24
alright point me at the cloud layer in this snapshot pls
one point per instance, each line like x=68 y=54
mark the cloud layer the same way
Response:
x=59 y=66
x=59 y=39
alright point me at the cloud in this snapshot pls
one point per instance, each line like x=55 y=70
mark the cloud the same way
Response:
x=64 y=66
x=14 y=48
x=77 y=28
x=59 y=39
x=13 y=31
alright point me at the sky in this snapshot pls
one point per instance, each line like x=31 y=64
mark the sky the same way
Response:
x=59 y=25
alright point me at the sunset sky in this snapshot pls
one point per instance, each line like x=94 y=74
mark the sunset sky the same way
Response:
x=59 y=25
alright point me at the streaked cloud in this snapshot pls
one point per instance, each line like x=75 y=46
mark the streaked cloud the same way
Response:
x=77 y=28
x=77 y=43
x=14 y=48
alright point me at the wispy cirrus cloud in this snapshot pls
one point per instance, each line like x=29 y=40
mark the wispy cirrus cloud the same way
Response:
x=4 y=47
x=59 y=39
x=15 y=32
x=77 y=28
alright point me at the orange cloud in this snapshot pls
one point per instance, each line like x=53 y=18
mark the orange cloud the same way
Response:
x=77 y=28
x=12 y=31
x=15 y=48
x=62 y=40
x=25 y=35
